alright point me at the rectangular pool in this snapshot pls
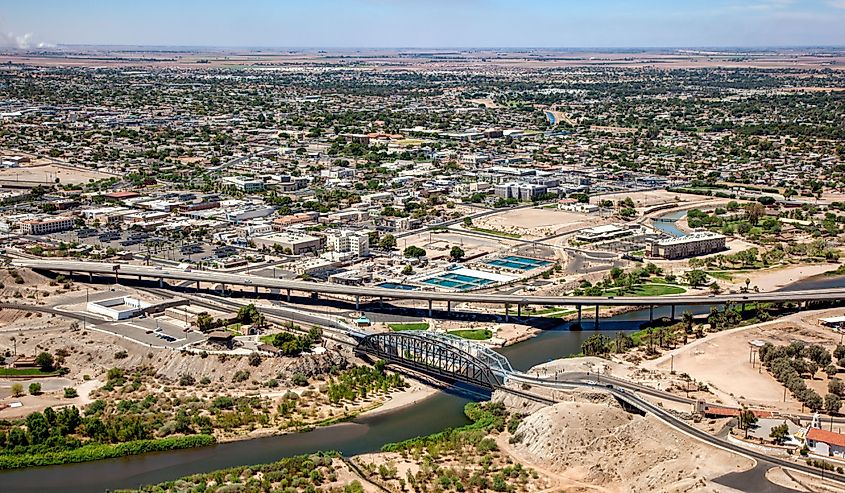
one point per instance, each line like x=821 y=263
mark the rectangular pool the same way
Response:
x=518 y=263
x=393 y=285
x=461 y=282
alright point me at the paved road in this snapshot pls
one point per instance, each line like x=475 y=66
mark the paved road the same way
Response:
x=835 y=294
x=669 y=418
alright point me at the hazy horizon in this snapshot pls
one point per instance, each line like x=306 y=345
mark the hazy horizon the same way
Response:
x=432 y=24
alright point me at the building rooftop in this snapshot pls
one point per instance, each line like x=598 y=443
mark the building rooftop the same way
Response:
x=697 y=236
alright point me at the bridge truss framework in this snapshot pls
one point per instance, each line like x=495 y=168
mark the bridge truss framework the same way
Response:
x=440 y=354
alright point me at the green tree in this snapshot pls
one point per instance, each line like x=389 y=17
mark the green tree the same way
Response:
x=832 y=403
x=779 y=433
x=17 y=389
x=696 y=277
x=45 y=361
x=387 y=242
x=747 y=419
x=457 y=253
x=37 y=428
x=35 y=388
x=205 y=322
x=414 y=251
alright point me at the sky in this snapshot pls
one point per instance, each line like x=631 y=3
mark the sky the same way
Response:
x=423 y=23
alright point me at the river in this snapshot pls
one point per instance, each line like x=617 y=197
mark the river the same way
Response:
x=365 y=434
x=666 y=223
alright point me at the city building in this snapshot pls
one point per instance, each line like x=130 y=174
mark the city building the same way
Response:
x=46 y=226
x=603 y=233
x=355 y=243
x=700 y=243
x=246 y=185
x=524 y=192
x=294 y=242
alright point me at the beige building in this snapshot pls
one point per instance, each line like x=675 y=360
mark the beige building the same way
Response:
x=692 y=245
x=46 y=226
x=297 y=243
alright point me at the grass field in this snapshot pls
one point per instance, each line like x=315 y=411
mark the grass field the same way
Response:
x=495 y=232
x=409 y=326
x=15 y=372
x=475 y=335
x=650 y=289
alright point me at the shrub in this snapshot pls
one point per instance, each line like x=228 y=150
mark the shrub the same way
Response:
x=240 y=376
x=71 y=392
x=35 y=388
x=17 y=389
x=299 y=380
x=186 y=380
x=121 y=355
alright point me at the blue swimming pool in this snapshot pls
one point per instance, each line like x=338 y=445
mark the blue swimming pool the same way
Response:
x=457 y=281
x=518 y=263
x=393 y=285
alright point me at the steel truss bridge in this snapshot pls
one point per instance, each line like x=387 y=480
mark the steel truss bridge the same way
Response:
x=455 y=359
x=440 y=355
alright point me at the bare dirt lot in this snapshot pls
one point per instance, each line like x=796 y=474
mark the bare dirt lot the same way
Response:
x=46 y=174
x=723 y=360
x=537 y=222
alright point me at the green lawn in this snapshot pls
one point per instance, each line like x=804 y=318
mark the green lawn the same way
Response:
x=409 y=326
x=649 y=289
x=475 y=335
x=495 y=232
x=13 y=372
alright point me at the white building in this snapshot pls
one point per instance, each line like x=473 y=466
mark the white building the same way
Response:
x=246 y=185
x=118 y=308
x=823 y=442
x=356 y=243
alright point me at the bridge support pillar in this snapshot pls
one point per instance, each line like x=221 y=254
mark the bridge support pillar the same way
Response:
x=116 y=278
x=673 y=313
x=650 y=313
x=507 y=312
x=597 y=317
x=160 y=281
x=429 y=308
x=70 y=274
x=256 y=291
x=579 y=315
x=381 y=302
x=90 y=277
x=357 y=302
x=198 y=286
x=448 y=307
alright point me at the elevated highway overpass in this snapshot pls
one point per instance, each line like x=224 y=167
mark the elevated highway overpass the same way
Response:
x=377 y=293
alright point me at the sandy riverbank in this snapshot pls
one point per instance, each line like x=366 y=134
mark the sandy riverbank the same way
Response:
x=777 y=278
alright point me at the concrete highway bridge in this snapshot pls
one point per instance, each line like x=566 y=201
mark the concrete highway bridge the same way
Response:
x=365 y=293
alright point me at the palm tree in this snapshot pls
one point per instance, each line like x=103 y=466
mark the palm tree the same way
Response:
x=687 y=321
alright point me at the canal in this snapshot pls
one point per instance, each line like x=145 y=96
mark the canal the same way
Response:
x=366 y=434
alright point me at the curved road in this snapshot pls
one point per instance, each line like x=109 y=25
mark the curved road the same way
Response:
x=667 y=417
